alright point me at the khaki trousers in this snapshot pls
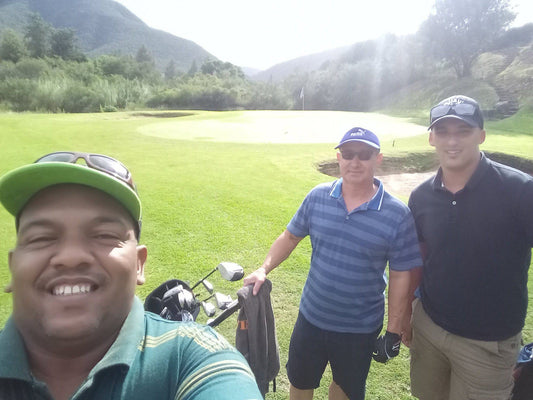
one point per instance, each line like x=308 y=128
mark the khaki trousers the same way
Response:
x=449 y=367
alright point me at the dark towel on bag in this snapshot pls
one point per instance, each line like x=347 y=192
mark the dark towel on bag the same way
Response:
x=256 y=334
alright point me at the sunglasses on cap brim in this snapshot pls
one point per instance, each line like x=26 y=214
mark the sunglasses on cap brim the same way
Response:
x=460 y=109
x=98 y=162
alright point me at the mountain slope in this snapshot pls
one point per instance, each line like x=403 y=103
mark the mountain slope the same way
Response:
x=105 y=27
x=298 y=65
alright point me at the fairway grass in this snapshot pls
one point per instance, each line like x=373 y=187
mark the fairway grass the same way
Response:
x=222 y=186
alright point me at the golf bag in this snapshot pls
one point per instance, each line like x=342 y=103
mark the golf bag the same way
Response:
x=523 y=375
x=173 y=300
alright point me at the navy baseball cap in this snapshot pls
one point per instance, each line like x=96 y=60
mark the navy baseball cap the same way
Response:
x=458 y=107
x=360 y=135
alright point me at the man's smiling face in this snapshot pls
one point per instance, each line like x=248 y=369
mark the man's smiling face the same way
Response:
x=355 y=170
x=75 y=266
x=456 y=144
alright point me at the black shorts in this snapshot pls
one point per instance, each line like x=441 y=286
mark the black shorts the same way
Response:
x=349 y=356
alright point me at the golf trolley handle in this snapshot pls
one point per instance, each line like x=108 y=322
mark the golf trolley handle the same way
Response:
x=230 y=310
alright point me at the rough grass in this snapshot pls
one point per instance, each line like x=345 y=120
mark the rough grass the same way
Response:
x=207 y=201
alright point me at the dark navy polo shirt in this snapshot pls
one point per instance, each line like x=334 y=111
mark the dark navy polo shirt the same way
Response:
x=478 y=243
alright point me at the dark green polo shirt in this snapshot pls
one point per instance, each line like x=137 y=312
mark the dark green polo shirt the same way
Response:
x=478 y=243
x=152 y=358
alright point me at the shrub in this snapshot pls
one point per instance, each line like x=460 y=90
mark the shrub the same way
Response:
x=11 y=46
x=49 y=95
x=108 y=109
x=31 y=68
x=19 y=93
x=79 y=99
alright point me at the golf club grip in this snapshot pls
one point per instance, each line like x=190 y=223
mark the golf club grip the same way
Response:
x=232 y=308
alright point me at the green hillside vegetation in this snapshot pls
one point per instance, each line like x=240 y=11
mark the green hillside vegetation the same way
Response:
x=104 y=27
x=98 y=56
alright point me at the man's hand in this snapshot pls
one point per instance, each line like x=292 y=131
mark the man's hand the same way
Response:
x=257 y=278
x=387 y=346
x=407 y=330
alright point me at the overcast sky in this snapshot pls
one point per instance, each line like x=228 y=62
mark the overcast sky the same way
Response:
x=260 y=34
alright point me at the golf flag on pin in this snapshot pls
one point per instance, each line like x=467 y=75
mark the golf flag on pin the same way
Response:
x=302 y=93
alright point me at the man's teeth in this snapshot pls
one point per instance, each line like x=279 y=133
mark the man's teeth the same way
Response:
x=67 y=290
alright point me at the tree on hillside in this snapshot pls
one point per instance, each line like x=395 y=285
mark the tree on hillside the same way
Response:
x=144 y=56
x=170 y=71
x=63 y=44
x=11 y=47
x=36 y=34
x=145 y=66
x=221 y=69
x=518 y=36
x=194 y=68
x=110 y=65
x=460 y=30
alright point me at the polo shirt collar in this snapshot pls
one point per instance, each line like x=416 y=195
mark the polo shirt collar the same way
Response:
x=14 y=362
x=482 y=167
x=126 y=347
x=375 y=202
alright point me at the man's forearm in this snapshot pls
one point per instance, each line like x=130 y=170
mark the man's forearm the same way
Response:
x=280 y=250
x=398 y=300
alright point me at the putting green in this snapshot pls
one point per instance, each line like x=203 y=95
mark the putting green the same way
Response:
x=277 y=126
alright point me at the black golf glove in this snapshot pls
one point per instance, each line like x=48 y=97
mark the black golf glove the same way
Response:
x=387 y=346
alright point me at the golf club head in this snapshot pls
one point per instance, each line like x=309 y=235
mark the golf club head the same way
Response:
x=208 y=308
x=189 y=300
x=230 y=271
x=173 y=291
x=208 y=286
x=222 y=300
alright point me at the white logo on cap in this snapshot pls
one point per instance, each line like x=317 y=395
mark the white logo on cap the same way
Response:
x=358 y=132
x=453 y=101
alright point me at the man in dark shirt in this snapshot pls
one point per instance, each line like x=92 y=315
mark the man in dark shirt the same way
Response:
x=475 y=225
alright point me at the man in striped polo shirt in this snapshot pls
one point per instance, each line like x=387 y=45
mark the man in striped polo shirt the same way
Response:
x=355 y=228
x=77 y=330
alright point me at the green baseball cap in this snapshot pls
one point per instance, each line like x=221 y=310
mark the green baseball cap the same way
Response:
x=101 y=172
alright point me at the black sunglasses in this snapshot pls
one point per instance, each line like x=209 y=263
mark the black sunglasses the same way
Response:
x=362 y=155
x=460 y=109
x=98 y=162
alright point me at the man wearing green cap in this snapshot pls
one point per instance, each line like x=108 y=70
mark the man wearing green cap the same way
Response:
x=77 y=330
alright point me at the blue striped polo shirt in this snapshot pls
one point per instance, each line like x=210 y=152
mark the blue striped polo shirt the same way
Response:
x=152 y=358
x=344 y=291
